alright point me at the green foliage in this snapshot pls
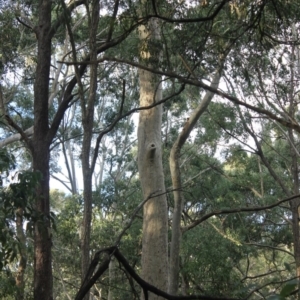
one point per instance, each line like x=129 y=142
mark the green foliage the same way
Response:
x=7 y=162
x=286 y=291
x=233 y=254
x=7 y=285
x=9 y=37
x=209 y=260
x=109 y=217
x=66 y=241
x=13 y=196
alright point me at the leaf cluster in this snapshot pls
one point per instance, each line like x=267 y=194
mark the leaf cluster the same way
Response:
x=14 y=196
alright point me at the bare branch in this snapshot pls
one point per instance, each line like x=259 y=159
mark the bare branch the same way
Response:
x=270 y=247
x=25 y=24
x=62 y=182
x=146 y=287
x=233 y=211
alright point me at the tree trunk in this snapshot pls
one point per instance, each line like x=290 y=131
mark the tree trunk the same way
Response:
x=295 y=203
x=41 y=155
x=42 y=234
x=112 y=268
x=71 y=167
x=155 y=222
x=88 y=123
x=23 y=255
x=295 y=206
x=176 y=184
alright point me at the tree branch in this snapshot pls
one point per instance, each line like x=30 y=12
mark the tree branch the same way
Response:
x=232 y=211
x=112 y=22
x=290 y=124
x=68 y=92
x=19 y=130
x=120 y=117
x=24 y=24
x=192 y=20
x=270 y=247
x=16 y=137
x=62 y=182
x=138 y=208
x=146 y=287
x=62 y=18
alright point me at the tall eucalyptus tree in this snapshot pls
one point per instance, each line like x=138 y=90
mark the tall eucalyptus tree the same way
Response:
x=155 y=216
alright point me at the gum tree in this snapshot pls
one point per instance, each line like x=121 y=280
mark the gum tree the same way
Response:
x=155 y=218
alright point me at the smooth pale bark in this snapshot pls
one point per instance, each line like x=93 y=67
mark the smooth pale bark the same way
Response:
x=72 y=172
x=155 y=220
x=174 y=162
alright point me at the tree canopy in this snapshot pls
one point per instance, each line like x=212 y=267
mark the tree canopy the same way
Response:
x=149 y=149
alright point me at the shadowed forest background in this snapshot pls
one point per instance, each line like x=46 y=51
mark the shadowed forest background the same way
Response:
x=170 y=133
